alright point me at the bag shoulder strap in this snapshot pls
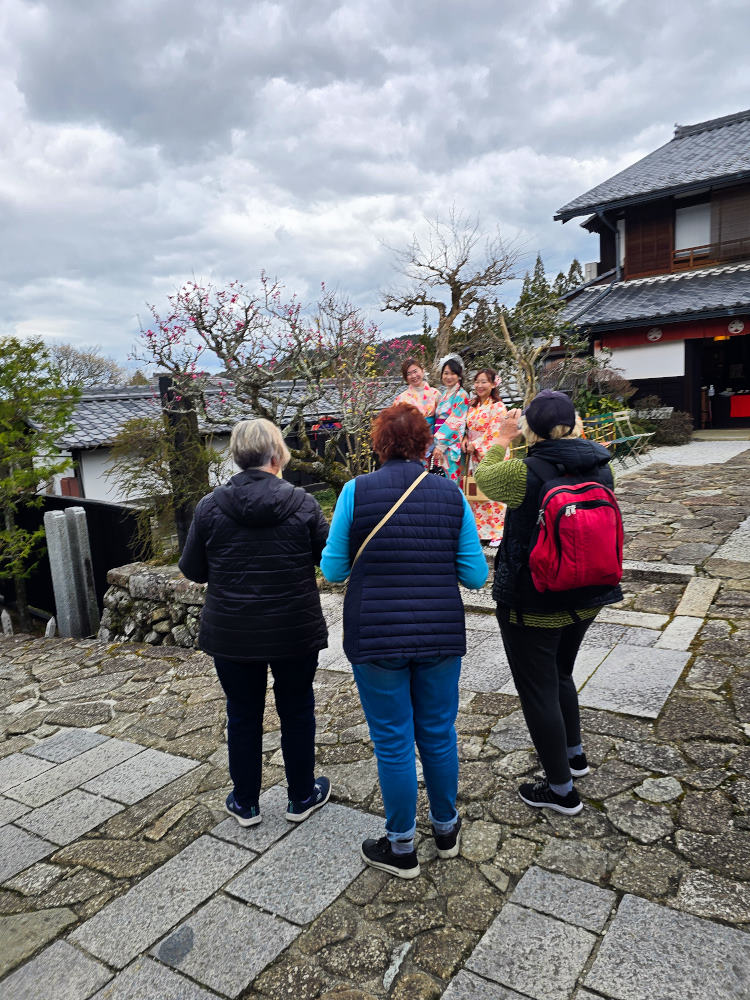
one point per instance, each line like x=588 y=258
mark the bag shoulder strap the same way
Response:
x=543 y=468
x=390 y=513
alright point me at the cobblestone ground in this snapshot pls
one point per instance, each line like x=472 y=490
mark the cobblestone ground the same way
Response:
x=121 y=877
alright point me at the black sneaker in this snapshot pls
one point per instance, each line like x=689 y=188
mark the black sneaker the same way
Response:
x=297 y=811
x=378 y=854
x=579 y=766
x=448 y=844
x=541 y=796
x=249 y=816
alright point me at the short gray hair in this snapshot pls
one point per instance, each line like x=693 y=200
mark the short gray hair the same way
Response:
x=555 y=434
x=256 y=442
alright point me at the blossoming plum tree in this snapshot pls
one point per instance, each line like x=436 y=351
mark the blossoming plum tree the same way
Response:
x=280 y=361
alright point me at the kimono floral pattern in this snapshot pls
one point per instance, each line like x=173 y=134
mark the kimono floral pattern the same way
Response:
x=482 y=427
x=450 y=426
x=425 y=401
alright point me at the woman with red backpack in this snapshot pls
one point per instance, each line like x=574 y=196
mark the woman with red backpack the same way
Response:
x=559 y=562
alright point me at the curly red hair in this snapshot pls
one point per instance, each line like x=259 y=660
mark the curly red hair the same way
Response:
x=400 y=431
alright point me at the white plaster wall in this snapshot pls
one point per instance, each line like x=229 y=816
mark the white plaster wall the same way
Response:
x=665 y=360
x=94 y=466
x=228 y=468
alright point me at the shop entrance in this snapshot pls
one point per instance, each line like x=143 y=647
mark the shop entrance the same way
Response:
x=723 y=369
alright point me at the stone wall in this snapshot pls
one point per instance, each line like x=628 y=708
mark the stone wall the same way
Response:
x=153 y=604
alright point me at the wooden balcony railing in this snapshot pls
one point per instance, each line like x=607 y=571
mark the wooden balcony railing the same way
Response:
x=711 y=253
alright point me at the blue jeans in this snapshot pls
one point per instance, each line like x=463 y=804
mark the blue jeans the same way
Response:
x=244 y=684
x=404 y=701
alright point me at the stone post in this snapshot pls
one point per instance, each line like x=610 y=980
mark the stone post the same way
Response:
x=83 y=569
x=63 y=575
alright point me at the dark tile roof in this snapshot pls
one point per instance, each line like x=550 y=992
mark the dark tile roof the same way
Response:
x=713 y=291
x=712 y=151
x=101 y=413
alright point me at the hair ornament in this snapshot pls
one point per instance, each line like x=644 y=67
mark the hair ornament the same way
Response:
x=451 y=357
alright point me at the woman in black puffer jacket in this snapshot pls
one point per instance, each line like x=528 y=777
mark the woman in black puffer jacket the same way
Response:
x=256 y=542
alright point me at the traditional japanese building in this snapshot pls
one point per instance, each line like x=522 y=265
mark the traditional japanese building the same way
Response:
x=670 y=293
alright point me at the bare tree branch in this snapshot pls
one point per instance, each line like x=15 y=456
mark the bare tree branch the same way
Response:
x=454 y=259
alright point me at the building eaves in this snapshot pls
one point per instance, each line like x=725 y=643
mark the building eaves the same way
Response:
x=101 y=413
x=710 y=154
x=705 y=293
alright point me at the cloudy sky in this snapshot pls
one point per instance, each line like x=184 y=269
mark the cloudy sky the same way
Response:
x=146 y=141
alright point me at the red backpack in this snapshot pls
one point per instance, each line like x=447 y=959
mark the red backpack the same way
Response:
x=579 y=533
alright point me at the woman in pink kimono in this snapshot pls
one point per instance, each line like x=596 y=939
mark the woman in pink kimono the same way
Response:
x=417 y=392
x=450 y=417
x=486 y=413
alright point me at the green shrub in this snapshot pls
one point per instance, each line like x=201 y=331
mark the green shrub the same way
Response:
x=675 y=429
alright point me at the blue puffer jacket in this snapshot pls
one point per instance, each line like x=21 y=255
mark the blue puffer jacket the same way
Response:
x=256 y=542
x=403 y=598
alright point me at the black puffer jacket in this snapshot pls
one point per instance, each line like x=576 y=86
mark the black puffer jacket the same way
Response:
x=256 y=542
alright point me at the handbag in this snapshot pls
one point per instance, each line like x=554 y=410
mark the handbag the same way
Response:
x=469 y=486
x=390 y=513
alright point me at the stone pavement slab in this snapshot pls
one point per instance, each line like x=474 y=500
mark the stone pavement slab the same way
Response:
x=640 y=619
x=226 y=944
x=662 y=572
x=24 y=933
x=568 y=899
x=132 y=923
x=482 y=623
x=651 y=951
x=65 y=777
x=634 y=680
x=297 y=883
x=587 y=661
x=18 y=767
x=468 y=986
x=147 y=980
x=737 y=547
x=534 y=954
x=65 y=819
x=638 y=636
x=274 y=825
x=65 y=971
x=510 y=733
x=485 y=666
x=137 y=777
x=66 y=744
x=334 y=658
x=10 y=810
x=680 y=632
x=19 y=849
x=695 y=453
x=697 y=598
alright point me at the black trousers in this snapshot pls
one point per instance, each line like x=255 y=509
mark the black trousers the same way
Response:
x=244 y=683
x=541 y=661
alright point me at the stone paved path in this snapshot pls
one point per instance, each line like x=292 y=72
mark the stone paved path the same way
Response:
x=120 y=876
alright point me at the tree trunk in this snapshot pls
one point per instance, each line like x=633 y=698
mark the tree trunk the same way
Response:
x=187 y=467
x=19 y=582
x=22 y=605
x=442 y=339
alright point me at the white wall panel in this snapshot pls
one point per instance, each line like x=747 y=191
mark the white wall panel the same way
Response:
x=665 y=360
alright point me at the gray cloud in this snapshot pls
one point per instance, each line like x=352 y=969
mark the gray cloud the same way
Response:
x=144 y=142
